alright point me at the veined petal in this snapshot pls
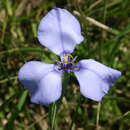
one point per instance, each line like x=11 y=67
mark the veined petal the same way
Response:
x=90 y=84
x=105 y=73
x=42 y=81
x=59 y=31
x=95 y=79
x=50 y=88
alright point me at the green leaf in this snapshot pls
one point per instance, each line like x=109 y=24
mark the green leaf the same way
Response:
x=22 y=100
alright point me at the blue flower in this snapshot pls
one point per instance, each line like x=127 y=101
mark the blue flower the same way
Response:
x=60 y=32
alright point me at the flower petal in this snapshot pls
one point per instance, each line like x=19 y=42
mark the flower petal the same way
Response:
x=42 y=81
x=59 y=31
x=49 y=89
x=95 y=79
x=106 y=73
x=90 y=84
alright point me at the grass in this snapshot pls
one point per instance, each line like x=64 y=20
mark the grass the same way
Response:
x=106 y=28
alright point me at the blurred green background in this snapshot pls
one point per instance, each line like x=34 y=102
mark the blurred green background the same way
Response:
x=106 y=27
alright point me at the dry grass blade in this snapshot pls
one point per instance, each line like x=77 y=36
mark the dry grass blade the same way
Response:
x=98 y=24
x=95 y=4
x=21 y=8
x=30 y=126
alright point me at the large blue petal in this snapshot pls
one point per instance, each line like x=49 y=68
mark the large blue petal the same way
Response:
x=42 y=81
x=59 y=31
x=90 y=84
x=106 y=73
x=95 y=79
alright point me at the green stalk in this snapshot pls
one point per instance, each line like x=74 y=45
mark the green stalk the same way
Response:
x=98 y=113
x=52 y=116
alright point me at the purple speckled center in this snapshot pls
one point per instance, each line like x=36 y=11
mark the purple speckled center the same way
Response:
x=67 y=64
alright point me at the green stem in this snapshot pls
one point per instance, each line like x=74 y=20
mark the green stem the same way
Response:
x=52 y=115
x=98 y=113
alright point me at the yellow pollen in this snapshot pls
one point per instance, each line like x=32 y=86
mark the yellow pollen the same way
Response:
x=66 y=58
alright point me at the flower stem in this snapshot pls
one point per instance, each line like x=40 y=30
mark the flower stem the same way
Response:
x=98 y=112
x=52 y=115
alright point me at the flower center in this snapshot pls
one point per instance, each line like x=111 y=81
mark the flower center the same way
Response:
x=67 y=64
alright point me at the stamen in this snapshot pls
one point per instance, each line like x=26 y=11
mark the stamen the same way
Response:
x=74 y=59
x=67 y=58
x=67 y=64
